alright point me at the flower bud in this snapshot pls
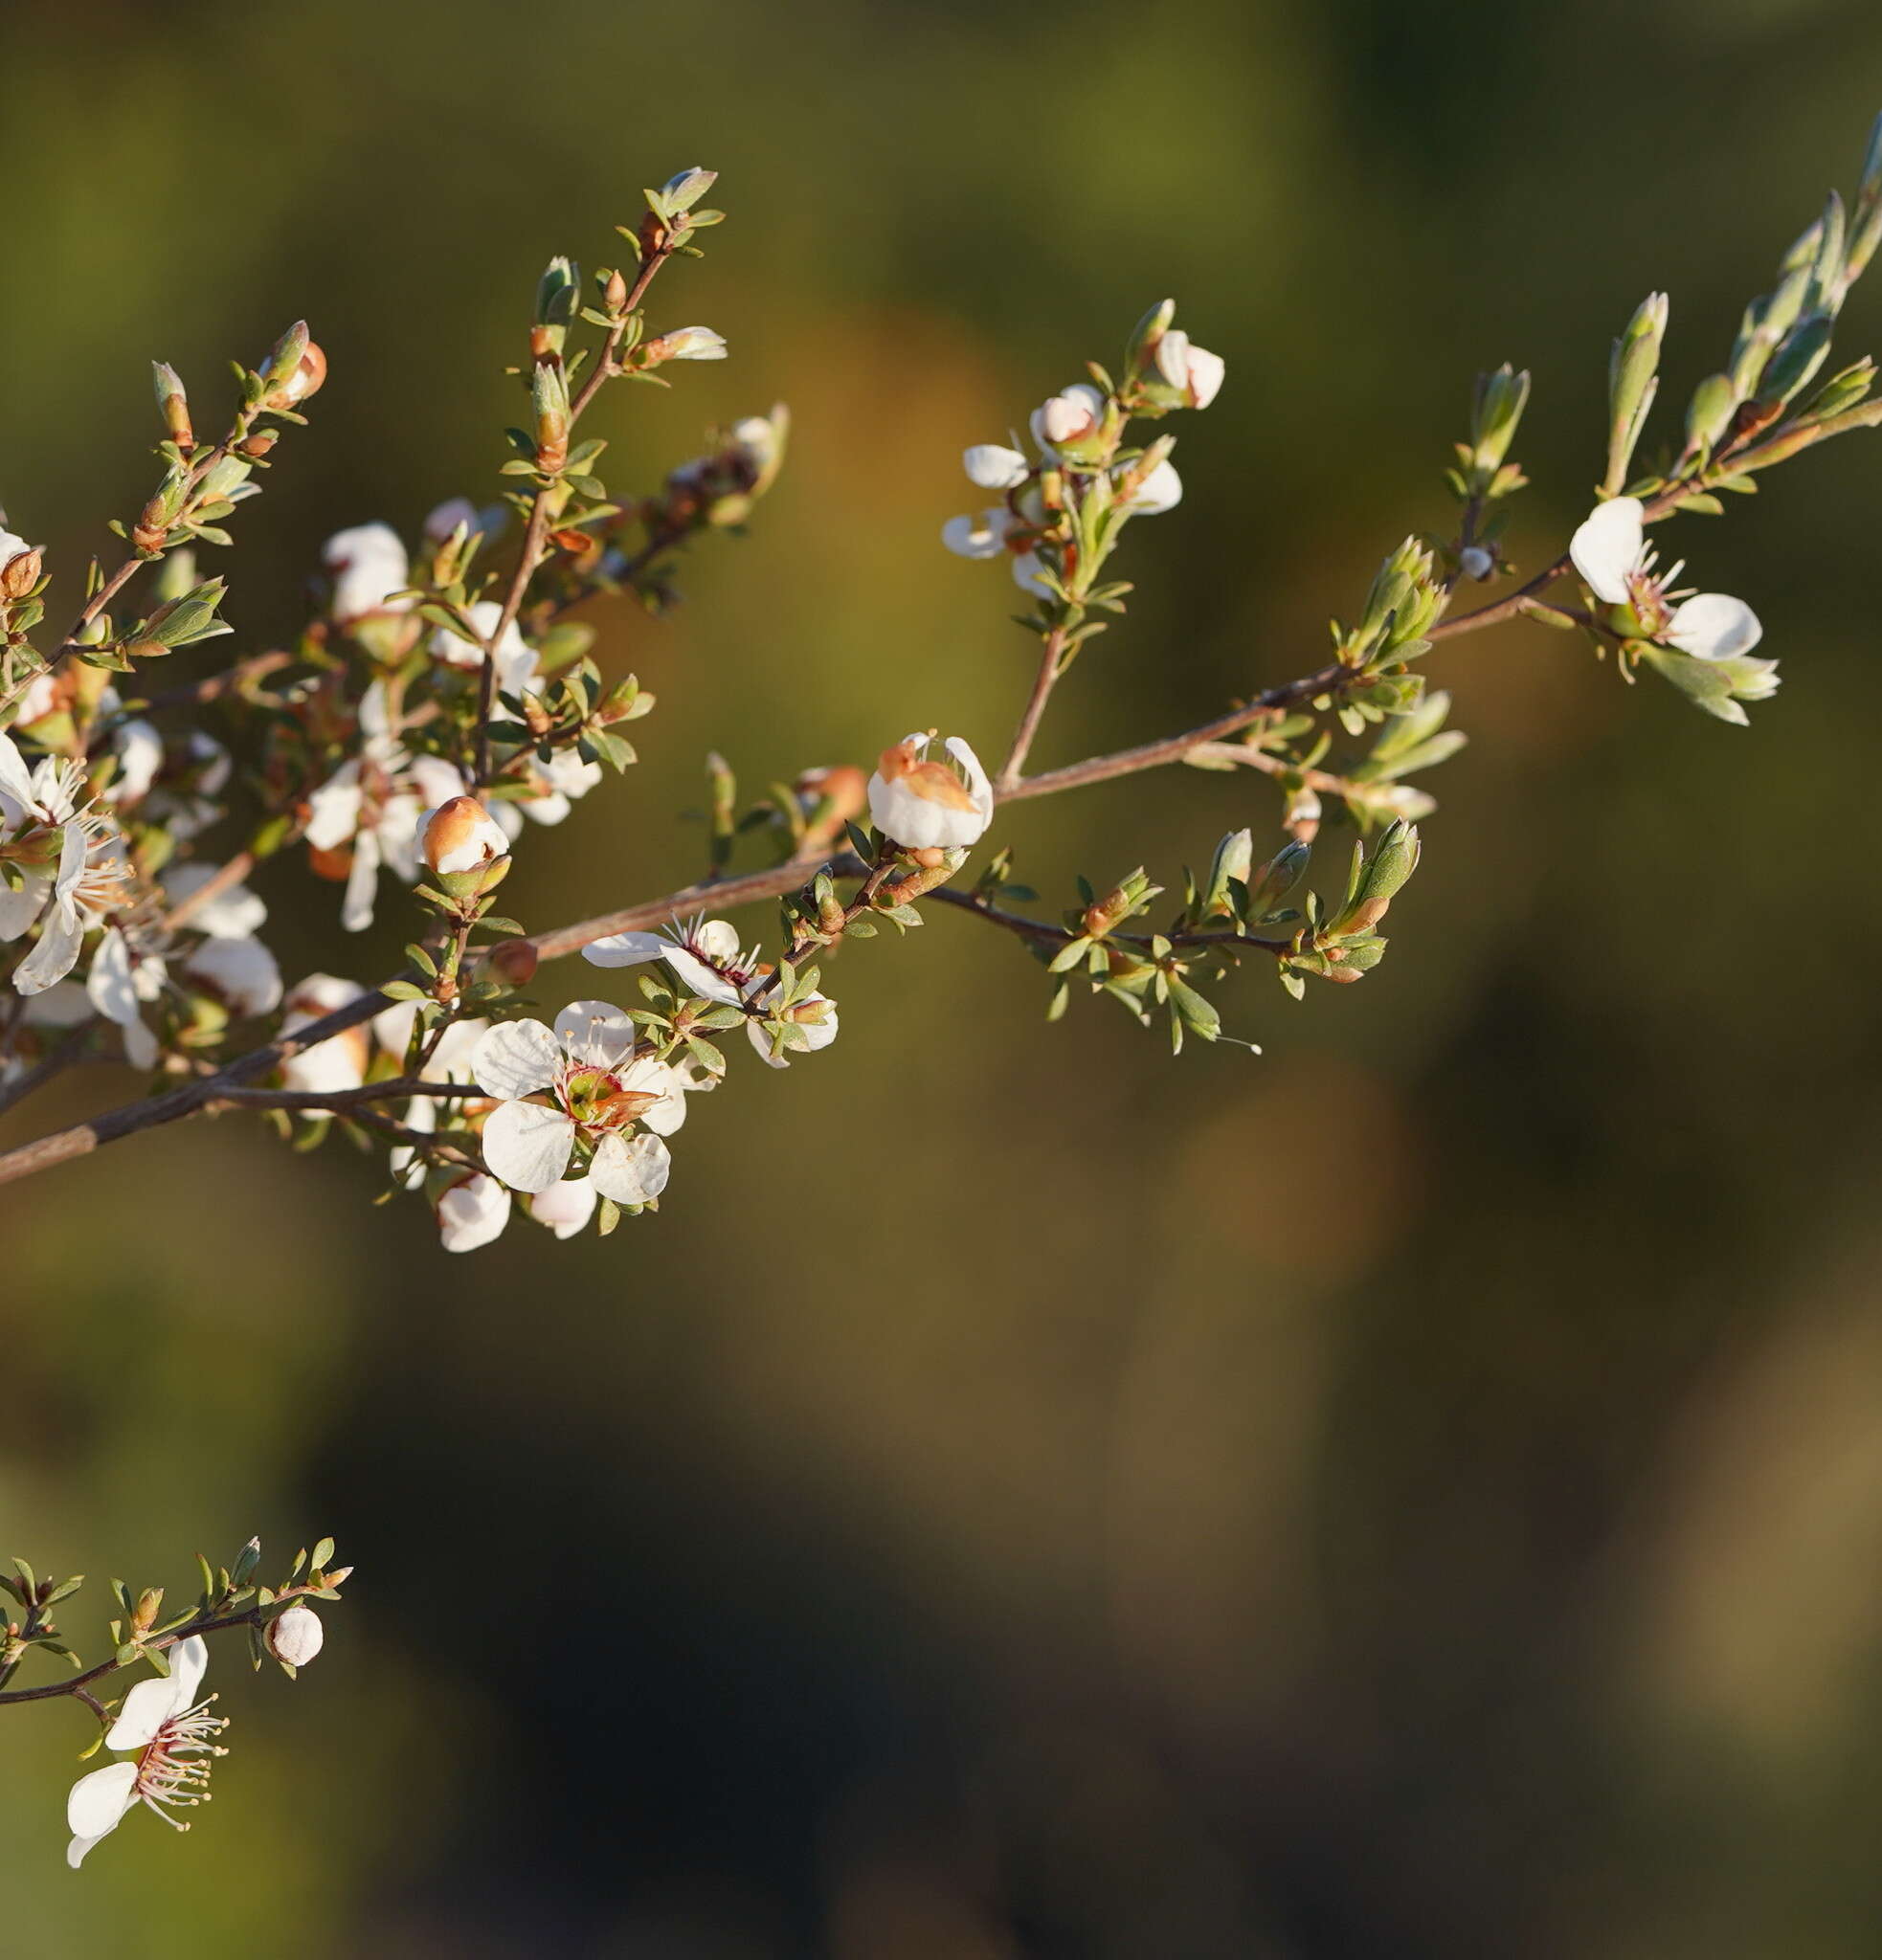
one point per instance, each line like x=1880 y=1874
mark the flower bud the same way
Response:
x=685 y=343
x=1234 y=860
x=1496 y=407
x=549 y=393
x=173 y=403
x=296 y=368
x=295 y=1637
x=20 y=565
x=462 y=835
x=1476 y=561
x=1632 y=380
x=614 y=295
x=512 y=961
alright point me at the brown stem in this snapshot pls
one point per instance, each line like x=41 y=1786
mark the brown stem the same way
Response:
x=537 y=528
x=1044 y=682
x=224 y=878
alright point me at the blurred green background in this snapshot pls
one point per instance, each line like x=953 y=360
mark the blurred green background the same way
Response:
x=1418 y=1493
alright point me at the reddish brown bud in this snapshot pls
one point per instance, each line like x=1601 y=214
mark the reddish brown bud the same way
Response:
x=21 y=573
x=260 y=442
x=615 y=293
x=513 y=961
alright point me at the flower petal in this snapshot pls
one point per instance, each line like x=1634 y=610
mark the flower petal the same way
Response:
x=1608 y=545
x=109 y=982
x=189 y=1662
x=57 y=951
x=18 y=909
x=705 y=981
x=97 y=1805
x=472 y=1214
x=626 y=949
x=1713 y=626
x=528 y=1144
x=516 y=1059
x=566 y=1208
x=595 y=1033
x=631 y=1170
x=993 y=466
x=650 y=1078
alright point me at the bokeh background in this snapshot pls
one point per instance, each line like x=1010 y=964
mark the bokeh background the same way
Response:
x=1418 y=1493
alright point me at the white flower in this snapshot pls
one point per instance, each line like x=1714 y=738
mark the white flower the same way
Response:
x=1611 y=553
x=339 y=1062
x=172 y=1734
x=1161 y=490
x=596 y=1090
x=1193 y=369
x=565 y=779
x=140 y=752
x=462 y=835
x=118 y=984
x=450 y=1060
x=925 y=805
x=375 y=801
x=1069 y=417
x=11 y=546
x=369 y=565
x=1028 y=568
x=516 y=657
x=295 y=1637
x=994 y=467
x=686 y=344
x=703 y=955
x=233 y=913
x=471 y=1212
x=815 y=1015
x=94 y=877
x=241 y=972
x=978 y=537
x=567 y=1206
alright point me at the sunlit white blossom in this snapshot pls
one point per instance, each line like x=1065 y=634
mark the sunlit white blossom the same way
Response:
x=516 y=657
x=1160 y=490
x=471 y=1211
x=369 y=563
x=1611 y=553
x=297 y=1636
x=1193 y=369
x=592 y=1087
x=1072 y=416
x=340 y=1061
x=703 y=955
x=978 y=537
x=242 y=973
x=925 y=805
x=174 y=1735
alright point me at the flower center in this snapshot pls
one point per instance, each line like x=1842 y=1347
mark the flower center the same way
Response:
x=172 y=1773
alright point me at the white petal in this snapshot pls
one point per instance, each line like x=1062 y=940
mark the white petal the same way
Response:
x=566 y=1208
x=978 y=785
x=15 y=780
x=97 y=1804
x=527 y=1145
x=235 y=913
x=189 y=1662
x=626 y=949
x=595 y=1033
x=994 y=467
x=472 y=1214
x=630 y=1171
x=650 y=1078
x=18 y=909
x=516 y=1059
x=975 y=537
x=109 y=982
x=1026 y=569
x=242 y=971
x=1608 y=545
x=57 y=952
x=705 y=981
x=362 y=885
x=1713 y=626
x=333 y=808
x=148 y=1706
x=1160 y=491
x=1207 y=372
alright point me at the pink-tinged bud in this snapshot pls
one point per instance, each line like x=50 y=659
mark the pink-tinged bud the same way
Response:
x=513 y=961
x=462 y=835
x=295 y=1637
x=307 y=377
x=19 y=567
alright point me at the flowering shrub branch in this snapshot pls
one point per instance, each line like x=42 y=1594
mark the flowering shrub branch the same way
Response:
x=436 y=709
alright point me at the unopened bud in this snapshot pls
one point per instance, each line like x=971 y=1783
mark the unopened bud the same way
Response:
x=1476 y=562
x=685 y=343
x=19 y=573
x=512 y=961
x=1234 y=860
x=173 y=403
x=148 y=1605
x=260 y=442
x=462 y=835
x=295 y=1637
x=550 y=393
x=614 y=295
x=292 y=381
